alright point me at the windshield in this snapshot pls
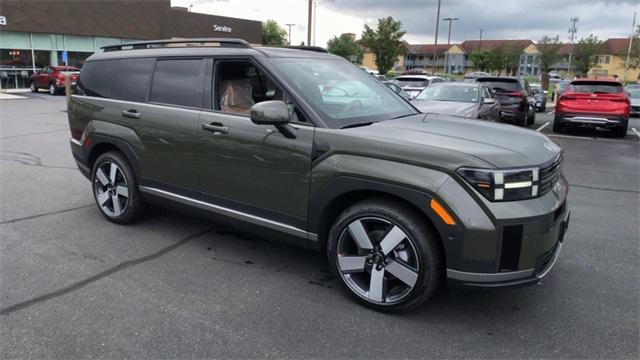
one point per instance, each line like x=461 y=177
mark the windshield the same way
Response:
x=458 y=93
x=594 y=87
x=412 y=82
x=343 y=94
x=635 y=94
x=502 y=86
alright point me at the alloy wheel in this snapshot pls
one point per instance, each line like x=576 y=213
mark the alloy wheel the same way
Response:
x=52 y=89
x=111 y=190
x=377 y=260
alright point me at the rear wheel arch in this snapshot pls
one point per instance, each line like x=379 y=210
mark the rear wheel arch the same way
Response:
x=101 y=146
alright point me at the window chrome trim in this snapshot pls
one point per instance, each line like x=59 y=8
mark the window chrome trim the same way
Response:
x=156 y=105
x=292 y=230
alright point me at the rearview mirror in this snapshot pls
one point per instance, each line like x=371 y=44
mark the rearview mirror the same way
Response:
x=276 y=113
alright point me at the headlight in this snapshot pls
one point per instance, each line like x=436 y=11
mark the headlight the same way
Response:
x=503 y=185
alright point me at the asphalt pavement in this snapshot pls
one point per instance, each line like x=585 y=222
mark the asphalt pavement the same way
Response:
x=73 y=285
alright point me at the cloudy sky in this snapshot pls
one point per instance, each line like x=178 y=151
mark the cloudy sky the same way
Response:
x=500 y=19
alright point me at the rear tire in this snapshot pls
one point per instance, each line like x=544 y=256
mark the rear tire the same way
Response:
x=532 y=119
x=557 y=127
x=621 y=131
x=379 y=272
x=115 y=188
x=522 y=121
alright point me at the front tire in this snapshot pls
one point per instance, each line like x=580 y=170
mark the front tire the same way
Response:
x=115 y=188
x=385 y=255
x=53 y=90
x=33 y=87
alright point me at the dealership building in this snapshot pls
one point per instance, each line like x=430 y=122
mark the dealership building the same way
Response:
x=34 y=34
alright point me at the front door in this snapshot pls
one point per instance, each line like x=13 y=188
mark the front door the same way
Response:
x=249 y=168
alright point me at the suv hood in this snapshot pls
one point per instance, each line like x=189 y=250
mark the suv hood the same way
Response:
x=500 y=145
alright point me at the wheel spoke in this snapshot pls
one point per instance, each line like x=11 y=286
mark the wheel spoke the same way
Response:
x=392 y=239
x=102 y=198
x=112 y=173
x=359 y=234
x=102 y=177
x=117 y=210
x=376 y=285
x=122 y=191
x=402 y=272
x=351 y=263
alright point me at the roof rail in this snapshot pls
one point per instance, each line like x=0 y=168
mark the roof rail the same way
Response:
x=180 y=42
x=308 y=48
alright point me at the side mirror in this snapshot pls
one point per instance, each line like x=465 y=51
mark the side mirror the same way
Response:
x=276 y=113
x=488 y=101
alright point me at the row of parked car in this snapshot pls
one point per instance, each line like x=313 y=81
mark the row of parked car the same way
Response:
x=602 y=103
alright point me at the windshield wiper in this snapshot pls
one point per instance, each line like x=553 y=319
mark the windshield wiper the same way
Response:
x=401 y=116
x=357 y=125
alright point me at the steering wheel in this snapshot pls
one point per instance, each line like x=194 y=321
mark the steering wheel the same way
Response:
x=352 y=105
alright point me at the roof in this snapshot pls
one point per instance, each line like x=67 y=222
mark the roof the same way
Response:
x=590 y=80
x=428 y=49
x=417 y=76
x=615 y=46
x=475 y=45
x=272 y=52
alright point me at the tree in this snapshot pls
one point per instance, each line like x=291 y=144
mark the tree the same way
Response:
x=511 y=59
x=273 y=34
x=345 y=46
x=385 y=42
x=549 y=53
x=585 y=52
x=481 y=60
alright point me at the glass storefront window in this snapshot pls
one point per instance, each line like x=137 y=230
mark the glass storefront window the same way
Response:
x=76 y=58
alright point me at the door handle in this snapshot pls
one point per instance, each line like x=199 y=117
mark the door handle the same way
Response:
x=131 y=114
x=215 y=127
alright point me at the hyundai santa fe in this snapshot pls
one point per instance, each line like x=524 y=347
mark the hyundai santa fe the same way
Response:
x=305 y=146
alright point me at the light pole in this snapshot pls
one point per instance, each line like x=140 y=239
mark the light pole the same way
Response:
x=309 y=15
x=435 y=47
x=572 y=34
x=446 y=67
x=626 y=62
x=290 y=25
x=315 y=10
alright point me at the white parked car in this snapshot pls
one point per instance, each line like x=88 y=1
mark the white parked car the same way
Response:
x=414 y=84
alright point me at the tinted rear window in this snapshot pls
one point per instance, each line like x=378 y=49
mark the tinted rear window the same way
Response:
x=502 y=85
x=133 y=78
x=96 y=78
x=178 y=82
x=596 y=87
x=412 y=82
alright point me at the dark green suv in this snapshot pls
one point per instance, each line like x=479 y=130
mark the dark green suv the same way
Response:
x=304 y=144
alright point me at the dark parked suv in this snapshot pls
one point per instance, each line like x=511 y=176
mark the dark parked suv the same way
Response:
x=515 y=97
x=307 y=146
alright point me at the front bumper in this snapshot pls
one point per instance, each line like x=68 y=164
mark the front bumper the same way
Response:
x=503 y=244
x=512 y=279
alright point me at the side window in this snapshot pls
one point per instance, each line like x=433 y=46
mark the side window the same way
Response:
x=96 y=78
x=486 y=94
x=178 y=82
x=133 y=78
x=239 y=85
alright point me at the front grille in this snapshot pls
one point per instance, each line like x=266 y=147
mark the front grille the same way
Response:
x=549 y=175
x=635 y=108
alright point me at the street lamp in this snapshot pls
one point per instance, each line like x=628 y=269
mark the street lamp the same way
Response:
x=315 y=10
x=445 y=67
x=290 y=25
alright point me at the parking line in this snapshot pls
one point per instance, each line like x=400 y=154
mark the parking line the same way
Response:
x=636 y=132
x=550 y=112
x=543 y=126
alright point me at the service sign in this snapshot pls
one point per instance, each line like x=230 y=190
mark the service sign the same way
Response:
x=3 y=21
x=221 y=28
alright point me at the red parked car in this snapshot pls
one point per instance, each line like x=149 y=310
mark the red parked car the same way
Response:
x=52 y=78
x=593 y=103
